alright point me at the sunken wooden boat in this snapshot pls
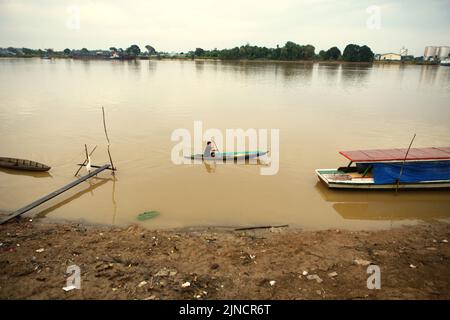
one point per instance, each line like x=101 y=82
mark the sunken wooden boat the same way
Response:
x=420 y=168
x=22 y=164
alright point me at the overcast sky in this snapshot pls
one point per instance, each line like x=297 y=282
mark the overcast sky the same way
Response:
x=176 y=25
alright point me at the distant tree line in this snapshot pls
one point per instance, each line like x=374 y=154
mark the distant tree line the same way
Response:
x=132 y=52
x=289 y=52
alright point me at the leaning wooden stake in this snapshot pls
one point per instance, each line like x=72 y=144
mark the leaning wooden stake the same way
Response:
x=107 y=138
x=85 y=161
x=403 y=164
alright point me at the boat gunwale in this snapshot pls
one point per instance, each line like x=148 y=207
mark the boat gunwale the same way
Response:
x=371 y=185
x=22 y=164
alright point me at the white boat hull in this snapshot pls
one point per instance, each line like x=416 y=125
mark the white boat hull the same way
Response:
x=335 y=180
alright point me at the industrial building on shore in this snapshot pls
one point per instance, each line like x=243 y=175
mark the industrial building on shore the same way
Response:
x=435 y=53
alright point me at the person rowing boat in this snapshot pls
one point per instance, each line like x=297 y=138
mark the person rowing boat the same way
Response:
x=209 y=152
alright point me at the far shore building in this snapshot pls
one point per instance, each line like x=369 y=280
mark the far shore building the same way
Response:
x=435 y=53
x=389 y=57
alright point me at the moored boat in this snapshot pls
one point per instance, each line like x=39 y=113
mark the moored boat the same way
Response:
x=422 y=168
x=445 y=62
x=22 y=164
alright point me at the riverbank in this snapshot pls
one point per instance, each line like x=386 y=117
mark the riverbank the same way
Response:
x=330 y=62
x=211 y=263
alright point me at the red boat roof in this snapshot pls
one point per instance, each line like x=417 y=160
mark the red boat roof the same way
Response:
x=377 y=155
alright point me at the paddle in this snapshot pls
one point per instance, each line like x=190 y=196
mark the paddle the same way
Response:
x=215 y=144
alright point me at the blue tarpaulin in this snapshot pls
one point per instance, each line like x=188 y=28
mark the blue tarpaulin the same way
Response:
x=386 y=173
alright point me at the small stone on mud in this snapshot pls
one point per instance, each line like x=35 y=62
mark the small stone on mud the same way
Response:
x=40 y=250
x=162 y=273
x=314 y=277
x=186 y=284
x=333 y=274
x=153 y=297
x=412 y=266
x=142 y=283
x=305 y=273
x=272 y=283
x=214 y=266
x=445 y=241
x=362 y=262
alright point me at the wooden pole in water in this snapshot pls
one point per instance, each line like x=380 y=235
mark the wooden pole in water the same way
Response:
x=53 y=194
x=107 y=138
x=403 y=164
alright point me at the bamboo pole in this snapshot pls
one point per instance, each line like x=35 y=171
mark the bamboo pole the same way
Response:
x=107 y=139
x=85 y=161
x=403 y=164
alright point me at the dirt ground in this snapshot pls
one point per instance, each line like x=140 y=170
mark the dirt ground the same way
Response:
x=278 y=263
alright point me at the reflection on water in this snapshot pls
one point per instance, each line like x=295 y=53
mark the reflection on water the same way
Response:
x=93 y=184
x=50 y=108
x=34 y=174
x=398 y=210
x=210 y=166
x=388 y=205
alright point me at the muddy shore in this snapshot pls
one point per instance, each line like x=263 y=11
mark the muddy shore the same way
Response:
x=211 y=263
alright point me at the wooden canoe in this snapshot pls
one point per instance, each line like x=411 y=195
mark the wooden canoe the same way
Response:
x=230 y=156
x=21 y=164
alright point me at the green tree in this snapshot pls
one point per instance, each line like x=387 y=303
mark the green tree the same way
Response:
x=365 y=54
x=133 y=50
x=323 y=55
x=67 y=51
x=308 y=52
x=291 y=51
x=199 y=52
x=113 y=49
x=28 y=51
x=150 y=49
x=333 y=53
x=351 y=53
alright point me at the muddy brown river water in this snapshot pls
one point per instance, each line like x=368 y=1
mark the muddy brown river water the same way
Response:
x=50 y=108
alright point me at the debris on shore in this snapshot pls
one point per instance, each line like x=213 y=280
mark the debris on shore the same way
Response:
x=209 y=263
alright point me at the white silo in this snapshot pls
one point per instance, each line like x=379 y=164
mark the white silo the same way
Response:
x=443 y=52
x=430 y=53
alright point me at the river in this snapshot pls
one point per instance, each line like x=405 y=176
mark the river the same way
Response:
x=50 y=108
